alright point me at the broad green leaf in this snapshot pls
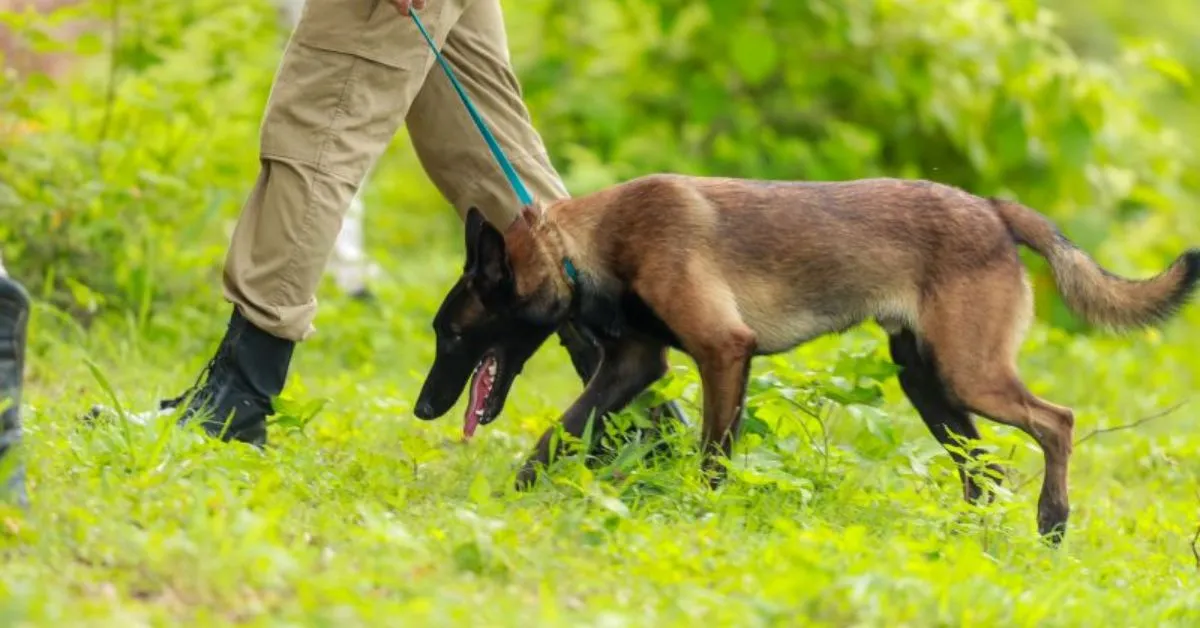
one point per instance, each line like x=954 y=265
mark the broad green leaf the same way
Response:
x=726 y=12
x=1023 y=10
x=754 y=53
x=1172 y=69
x=89 y=44
x=480 y=490
x=1008 y=127
x=1075 y=142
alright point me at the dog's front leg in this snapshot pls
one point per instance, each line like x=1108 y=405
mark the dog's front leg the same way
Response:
x=699 y=308
x=630 y=365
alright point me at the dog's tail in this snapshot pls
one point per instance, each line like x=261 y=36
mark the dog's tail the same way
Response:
x=1095 y=294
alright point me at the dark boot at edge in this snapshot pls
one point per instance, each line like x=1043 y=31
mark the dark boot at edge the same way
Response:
x=14 y=316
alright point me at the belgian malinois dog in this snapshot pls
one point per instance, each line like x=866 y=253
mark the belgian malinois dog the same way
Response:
x=727 y=269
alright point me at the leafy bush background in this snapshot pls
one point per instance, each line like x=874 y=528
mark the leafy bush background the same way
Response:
x=151 y=145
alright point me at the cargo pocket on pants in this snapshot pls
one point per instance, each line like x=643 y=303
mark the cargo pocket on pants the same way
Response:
x=351 y=71
x=369 y=29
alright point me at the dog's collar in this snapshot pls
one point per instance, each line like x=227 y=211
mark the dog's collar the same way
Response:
x=578 y=290
x=570 y=273
x=575 y=289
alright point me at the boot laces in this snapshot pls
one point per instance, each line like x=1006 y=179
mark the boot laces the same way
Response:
x=222 y=355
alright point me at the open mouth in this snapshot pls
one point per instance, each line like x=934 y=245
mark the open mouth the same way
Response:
x=483 y=381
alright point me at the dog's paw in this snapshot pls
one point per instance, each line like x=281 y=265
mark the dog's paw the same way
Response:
x=1052 y=523
x=527 y=476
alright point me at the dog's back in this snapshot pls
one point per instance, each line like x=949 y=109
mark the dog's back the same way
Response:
x=803 y=259
x=808 y=259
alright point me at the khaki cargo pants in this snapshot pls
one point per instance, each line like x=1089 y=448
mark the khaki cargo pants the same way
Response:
x=352 y=72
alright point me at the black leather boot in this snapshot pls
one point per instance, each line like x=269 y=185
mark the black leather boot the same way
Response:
x=14 y=314
x=232 y=397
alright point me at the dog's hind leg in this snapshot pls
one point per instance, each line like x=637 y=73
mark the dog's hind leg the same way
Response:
x=629 y=366
x=974 y=325
x=692 y=298
x=950 y=425
x=1000 y=395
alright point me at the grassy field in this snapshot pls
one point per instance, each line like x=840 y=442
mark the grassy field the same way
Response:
x=841 y=510
x=366 y=515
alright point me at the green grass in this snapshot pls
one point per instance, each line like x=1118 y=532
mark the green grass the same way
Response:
x=369 y=516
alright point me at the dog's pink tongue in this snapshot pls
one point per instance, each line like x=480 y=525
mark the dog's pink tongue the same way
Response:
x=481 y=385
x=470 y=424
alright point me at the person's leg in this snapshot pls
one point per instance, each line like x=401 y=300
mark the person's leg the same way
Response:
x=456 y=157
x=14 y=314
x=347 y=78
x=349 y=264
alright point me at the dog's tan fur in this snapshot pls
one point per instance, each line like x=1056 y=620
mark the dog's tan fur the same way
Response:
x=737 y=268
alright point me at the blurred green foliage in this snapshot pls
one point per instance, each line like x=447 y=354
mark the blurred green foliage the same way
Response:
x=115 y=188
x=121 y=197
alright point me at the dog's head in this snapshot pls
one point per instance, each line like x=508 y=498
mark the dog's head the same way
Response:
x=508 y=301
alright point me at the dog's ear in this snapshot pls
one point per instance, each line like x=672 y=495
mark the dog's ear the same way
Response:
x=491 y=267
x=474 y=225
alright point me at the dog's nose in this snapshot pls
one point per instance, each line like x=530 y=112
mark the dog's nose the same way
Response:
x=423 y=410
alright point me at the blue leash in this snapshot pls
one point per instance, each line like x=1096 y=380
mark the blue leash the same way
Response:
x=510 y=173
